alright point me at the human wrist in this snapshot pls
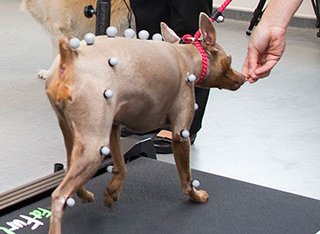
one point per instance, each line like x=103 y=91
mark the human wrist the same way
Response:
x=279 y=13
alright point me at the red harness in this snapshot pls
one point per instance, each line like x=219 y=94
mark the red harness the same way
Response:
x=188 y=39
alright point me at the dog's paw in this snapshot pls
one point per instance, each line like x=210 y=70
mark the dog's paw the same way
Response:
x=85 y=195
x=198 y=196
x=42 y=74
x=108 y=201
x=111 y=195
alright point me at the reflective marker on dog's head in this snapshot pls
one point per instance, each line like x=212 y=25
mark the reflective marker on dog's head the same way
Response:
x=111 y=31
x=74 y=43
x=89 y=38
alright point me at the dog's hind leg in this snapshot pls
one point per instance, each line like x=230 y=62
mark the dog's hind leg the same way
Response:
x=113 y=189
x=84 y=161
x=82 y=192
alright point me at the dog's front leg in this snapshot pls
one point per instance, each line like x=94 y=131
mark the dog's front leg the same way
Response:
x=113 y=189
x=181 y=151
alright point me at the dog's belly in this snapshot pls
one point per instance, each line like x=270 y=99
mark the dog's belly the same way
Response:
x=142 y=113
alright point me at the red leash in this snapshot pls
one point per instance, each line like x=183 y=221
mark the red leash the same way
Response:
x=196 y=41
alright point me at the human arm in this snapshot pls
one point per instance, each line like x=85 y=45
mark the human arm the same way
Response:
x=267 y=42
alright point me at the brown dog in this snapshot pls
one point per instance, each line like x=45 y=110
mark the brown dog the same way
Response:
x=65 y=18
x=146 y=88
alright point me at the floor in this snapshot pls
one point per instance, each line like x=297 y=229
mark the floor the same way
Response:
x=267 y=133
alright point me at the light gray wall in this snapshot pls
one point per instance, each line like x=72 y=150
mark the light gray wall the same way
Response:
x=305 y=10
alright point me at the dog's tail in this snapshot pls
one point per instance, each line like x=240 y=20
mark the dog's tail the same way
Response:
x=60 y=89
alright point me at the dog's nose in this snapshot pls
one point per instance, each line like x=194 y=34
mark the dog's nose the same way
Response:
x=239 y=81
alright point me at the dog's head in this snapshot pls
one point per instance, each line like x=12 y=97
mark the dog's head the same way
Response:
x=219 y=73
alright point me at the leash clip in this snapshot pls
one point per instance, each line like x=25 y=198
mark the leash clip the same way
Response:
x=188 y=39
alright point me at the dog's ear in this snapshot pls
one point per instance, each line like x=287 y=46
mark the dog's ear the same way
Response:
x=168 y=34
x=207 y=31
x=60 y=87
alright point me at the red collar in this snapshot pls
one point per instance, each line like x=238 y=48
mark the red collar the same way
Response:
x=188 y=39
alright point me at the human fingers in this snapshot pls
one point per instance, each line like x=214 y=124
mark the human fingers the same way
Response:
x=245 y=69
x=265 y=69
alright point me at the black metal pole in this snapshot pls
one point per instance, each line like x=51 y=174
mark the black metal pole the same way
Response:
x=316 y=7
x=102 y=16
x=256 y=16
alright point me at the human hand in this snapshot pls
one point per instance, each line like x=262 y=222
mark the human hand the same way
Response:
x=265 y=49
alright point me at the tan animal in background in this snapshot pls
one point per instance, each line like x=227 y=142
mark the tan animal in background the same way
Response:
x=65 y=18
x=145 y=87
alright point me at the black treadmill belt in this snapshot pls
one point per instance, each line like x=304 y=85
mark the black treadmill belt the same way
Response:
x=152 y=202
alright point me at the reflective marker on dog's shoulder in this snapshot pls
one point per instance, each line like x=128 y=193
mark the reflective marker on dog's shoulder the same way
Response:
x=191 y=78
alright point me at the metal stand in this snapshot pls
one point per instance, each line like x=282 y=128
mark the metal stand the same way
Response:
x=102 y=14
x=316 y=7
x=257 y=14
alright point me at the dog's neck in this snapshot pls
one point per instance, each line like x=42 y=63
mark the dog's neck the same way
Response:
x=192 y=59
x=188 y=39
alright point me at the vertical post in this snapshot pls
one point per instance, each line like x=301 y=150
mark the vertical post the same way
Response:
x=102 y=16
x=256 y=16
x=316 y=7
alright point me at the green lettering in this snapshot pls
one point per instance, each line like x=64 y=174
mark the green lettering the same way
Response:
x=6 y=230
